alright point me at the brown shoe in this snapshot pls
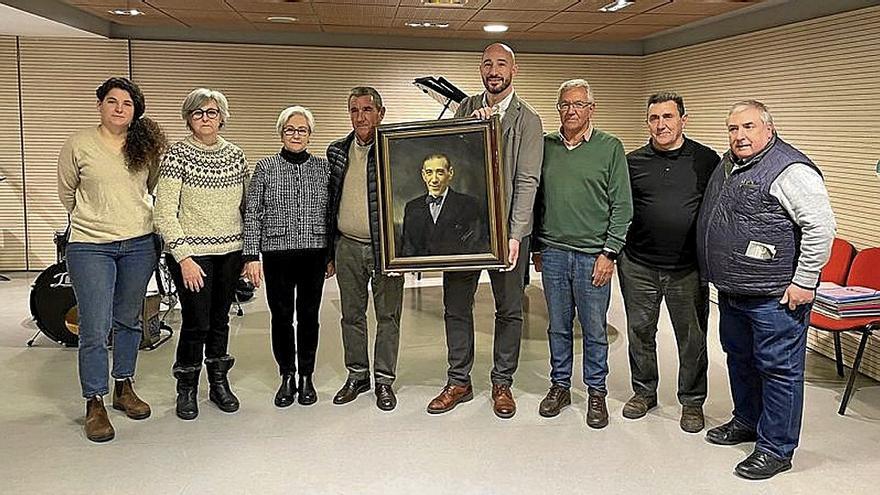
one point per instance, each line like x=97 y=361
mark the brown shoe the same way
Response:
x=597 y=412
x=97 y=426
x=638 y=406
x=692 y=420
x=503 y=403
x=557 y=398
x=450 y=396
x=124 y=399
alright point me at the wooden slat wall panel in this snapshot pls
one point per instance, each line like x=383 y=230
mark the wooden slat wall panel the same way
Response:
x=259 y=81
x=58 y=81
x=820 y=79
x=12 y=225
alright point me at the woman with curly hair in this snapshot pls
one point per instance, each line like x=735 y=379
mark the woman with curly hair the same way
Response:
x=198 y=211
x=105 y=176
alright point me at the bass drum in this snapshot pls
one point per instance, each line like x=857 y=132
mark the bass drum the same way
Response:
x=53 y=305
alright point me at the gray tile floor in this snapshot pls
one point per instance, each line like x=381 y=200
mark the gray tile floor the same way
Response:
x=357 y=449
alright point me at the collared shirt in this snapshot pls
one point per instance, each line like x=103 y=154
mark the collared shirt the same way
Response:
x=438 y=206
x=499 y=108
x=585 y=139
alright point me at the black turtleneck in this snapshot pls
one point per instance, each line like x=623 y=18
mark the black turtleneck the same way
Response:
x=295 y=158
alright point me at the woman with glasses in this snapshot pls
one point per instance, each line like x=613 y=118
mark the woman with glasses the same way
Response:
x=198 y=212
x=286 y=223
x=105 y=176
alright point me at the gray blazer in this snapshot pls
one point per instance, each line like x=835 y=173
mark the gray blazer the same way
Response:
x=523 y=140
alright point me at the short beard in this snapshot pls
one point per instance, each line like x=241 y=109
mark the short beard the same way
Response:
x=504 y=86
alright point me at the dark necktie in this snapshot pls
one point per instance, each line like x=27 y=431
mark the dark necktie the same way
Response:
x=434 y=200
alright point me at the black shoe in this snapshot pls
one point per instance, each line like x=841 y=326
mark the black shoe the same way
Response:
x=187 y=406
x=557 y=398
x=307 y=393
x=351 y=390
x=385 y=399
x=731 y=433
x=220 y=393
x=761 y=466
x=286 y=391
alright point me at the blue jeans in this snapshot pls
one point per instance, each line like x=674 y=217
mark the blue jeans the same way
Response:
x=110 y=281
x=567 y=278
x=766 y=345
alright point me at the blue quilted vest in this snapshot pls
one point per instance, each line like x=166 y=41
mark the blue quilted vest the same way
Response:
x=737 y=210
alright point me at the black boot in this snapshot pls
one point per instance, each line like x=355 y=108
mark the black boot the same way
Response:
x=307 y=393
x=284 y=396
x=220 y=393
x=187 y=391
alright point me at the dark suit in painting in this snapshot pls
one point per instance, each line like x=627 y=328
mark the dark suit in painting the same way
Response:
x=460 y=227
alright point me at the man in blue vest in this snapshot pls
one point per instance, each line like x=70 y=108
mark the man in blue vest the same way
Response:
x=765 y=232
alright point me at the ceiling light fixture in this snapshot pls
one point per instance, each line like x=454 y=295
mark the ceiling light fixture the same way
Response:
x=126 y=12
x=495 y=28
x=616 y=5
x=444 y=3
x=426 y=24
x=281 y=19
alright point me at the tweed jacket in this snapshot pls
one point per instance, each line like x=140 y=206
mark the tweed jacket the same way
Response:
x=523 y=144
x=337 y=156
x=286 y=206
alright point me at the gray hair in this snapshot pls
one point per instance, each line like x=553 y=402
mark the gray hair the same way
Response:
x=739 y=106
x=572 y=84
x=366 y=91
x=289 y=112
x=197 y=97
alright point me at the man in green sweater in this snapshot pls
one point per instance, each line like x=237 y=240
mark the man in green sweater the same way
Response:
x=582 y=213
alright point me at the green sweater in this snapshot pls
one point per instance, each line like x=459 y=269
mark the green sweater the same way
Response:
x=584 y=202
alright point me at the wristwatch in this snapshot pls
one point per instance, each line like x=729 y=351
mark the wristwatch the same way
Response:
x=611 y=255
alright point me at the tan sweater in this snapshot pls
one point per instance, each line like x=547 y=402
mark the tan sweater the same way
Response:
x=354 y=217
x=199 y=198
x=106 y=201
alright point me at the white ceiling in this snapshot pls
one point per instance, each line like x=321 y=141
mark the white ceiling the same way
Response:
x=19 y=23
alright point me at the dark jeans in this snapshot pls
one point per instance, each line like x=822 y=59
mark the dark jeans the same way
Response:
x=458 y=298
x=204 y=330
x=110 y=282
x=355 y=273
x=567 y=278
x=294 y=285
x=766 y=345
x=687 y=301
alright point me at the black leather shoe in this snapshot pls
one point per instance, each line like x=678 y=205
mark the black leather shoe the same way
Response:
x=557 y=398
x=351 y=390
x=731 y=433
x=307 y=393
x=286 y=392
x=385 y=398
x=761 y=466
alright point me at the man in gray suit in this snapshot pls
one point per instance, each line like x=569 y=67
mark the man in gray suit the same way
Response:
x=523 y=142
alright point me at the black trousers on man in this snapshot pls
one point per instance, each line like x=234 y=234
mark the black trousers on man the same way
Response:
x=294 y=285
x=204 y=331
x=458 y=298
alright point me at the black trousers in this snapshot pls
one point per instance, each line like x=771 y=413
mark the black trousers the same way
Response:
x=294 y=285
x=204 y=331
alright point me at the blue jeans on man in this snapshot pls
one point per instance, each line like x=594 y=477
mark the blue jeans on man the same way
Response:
x=766 y=347
x=567 y=277
x=110 y=282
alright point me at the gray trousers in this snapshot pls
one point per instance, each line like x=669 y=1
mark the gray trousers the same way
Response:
x=355 y=271
x=687 y=300
x=458 y=298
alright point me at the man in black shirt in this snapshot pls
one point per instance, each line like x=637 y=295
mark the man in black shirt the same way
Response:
x=668 y=176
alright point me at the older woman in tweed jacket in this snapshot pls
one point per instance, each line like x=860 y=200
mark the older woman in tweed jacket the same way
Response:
x=286 y=222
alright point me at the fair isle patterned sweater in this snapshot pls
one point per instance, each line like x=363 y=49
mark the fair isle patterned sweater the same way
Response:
x=200 y=198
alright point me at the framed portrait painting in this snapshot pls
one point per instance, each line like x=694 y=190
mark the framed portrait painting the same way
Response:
x=441 y=195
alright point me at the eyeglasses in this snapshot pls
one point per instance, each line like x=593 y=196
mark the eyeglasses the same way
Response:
x=563 y=106
x=211 y=113
x=292 y=131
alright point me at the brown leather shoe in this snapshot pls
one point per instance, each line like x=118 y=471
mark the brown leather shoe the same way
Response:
x=97 y=426
x=124 y=399
x=557 y=398
x=504 y=405
x=597 y=412
x=692 y=420
x=450 y=396
x=638 y=406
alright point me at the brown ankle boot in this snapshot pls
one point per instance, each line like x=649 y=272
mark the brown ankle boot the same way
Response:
x=124 y=399
x=97 y=426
